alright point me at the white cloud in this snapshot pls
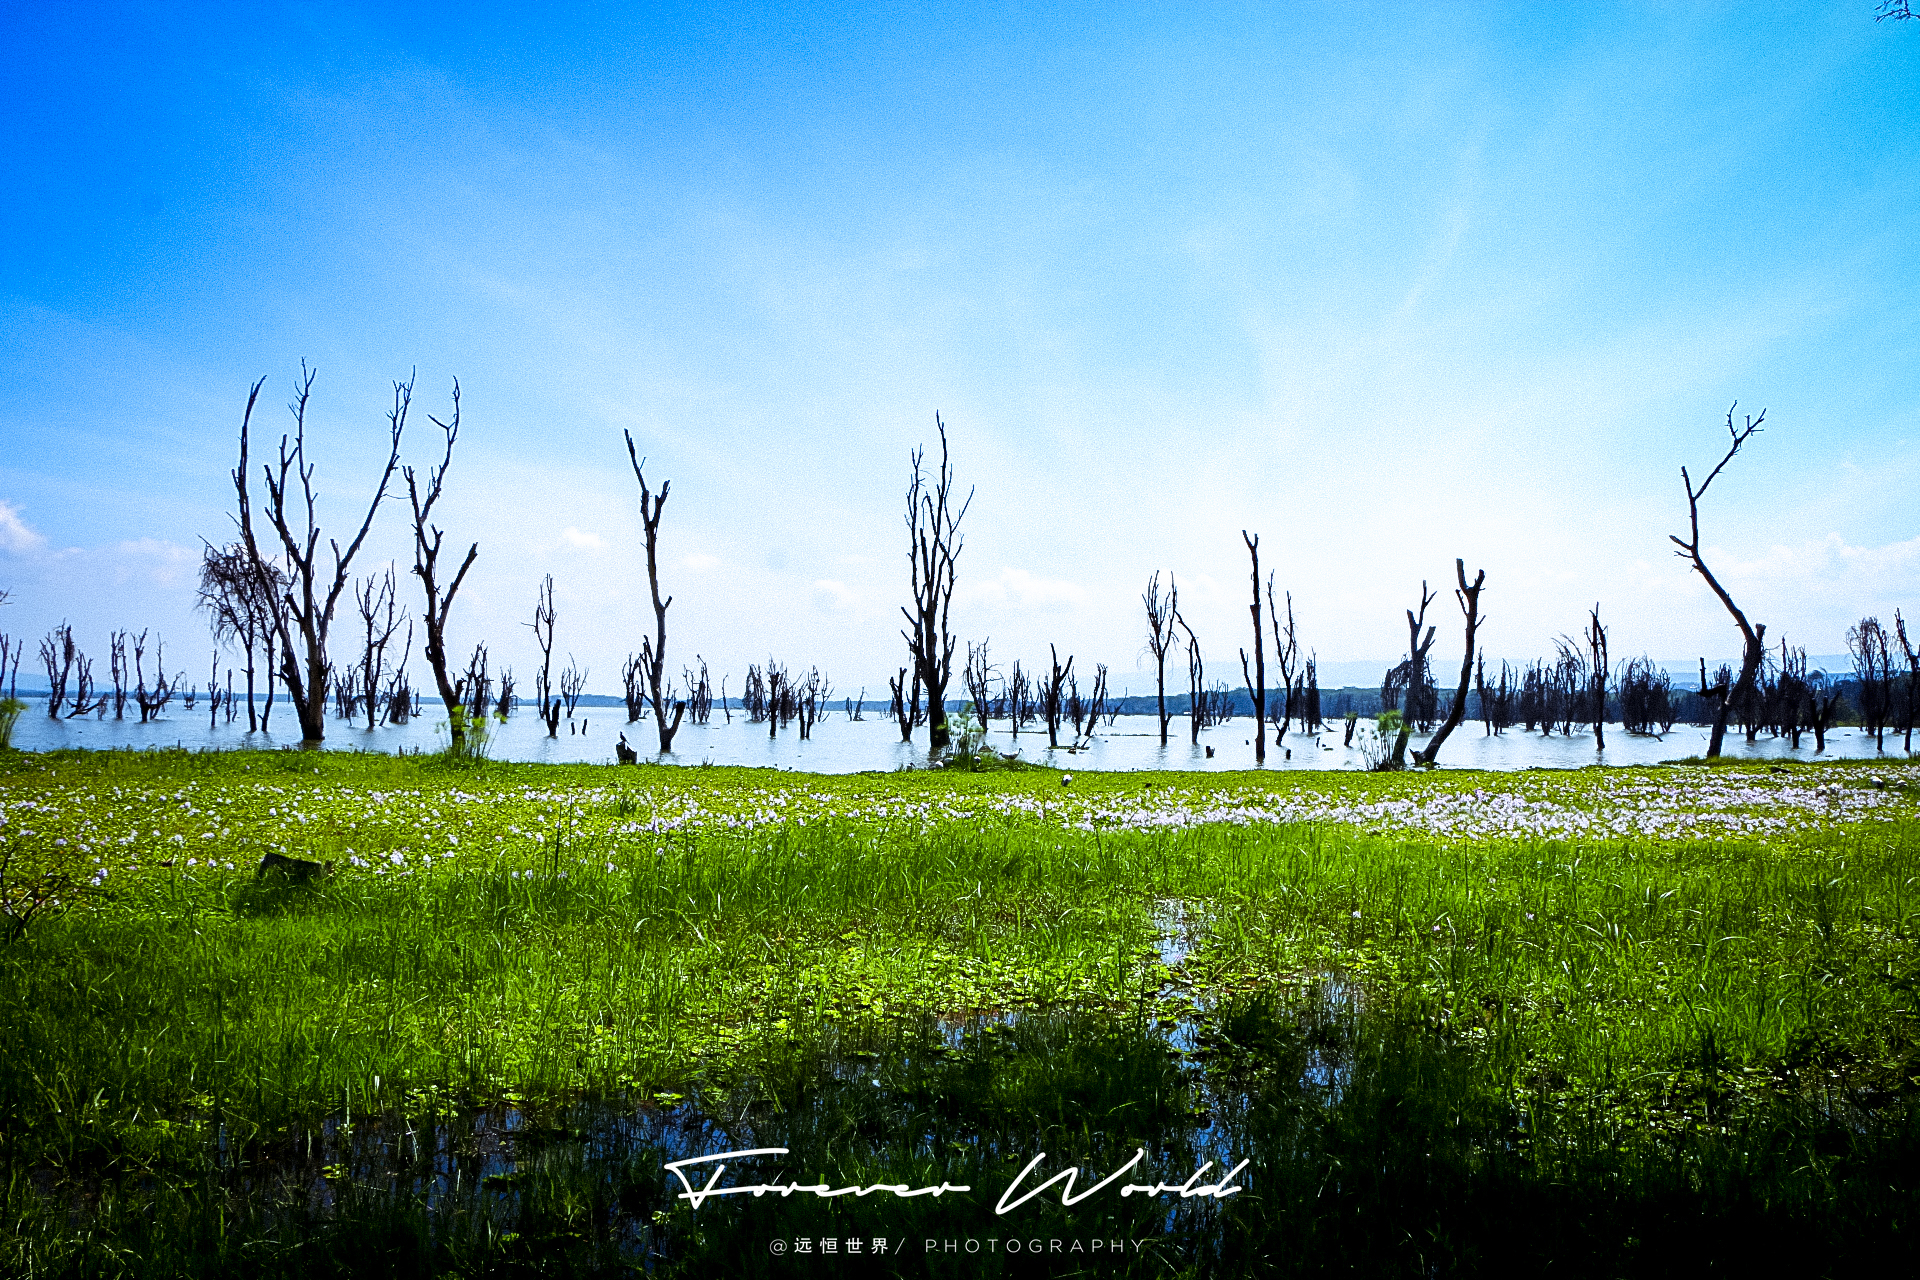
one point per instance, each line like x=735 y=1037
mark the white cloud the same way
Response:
x=700 y=560
x=15 y=534
x=581 y=538
x=1018 y=589
x=167 y=563
x=1834 y=564
x=834 y=597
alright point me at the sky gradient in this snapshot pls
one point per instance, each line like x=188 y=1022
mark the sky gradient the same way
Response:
x=1386 y=285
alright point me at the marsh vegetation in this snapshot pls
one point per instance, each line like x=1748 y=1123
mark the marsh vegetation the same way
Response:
x=1604 y=1020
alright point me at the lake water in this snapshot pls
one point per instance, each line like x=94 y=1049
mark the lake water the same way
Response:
x=840 y=745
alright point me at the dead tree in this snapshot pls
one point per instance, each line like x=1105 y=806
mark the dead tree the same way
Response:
x=1196 y=681
x=1096 y=705
x=475 y=688
x=653 y=650
x=812 y=694
x=401 y=703
x=426 y=567
x=573 y=683
x=544 y=619
x=780 y=700
x=151 y=701
x=699 y=691
x=753 y=695
x=1752 y=636
x=380 y=617
x=1256 y=678
x=979 y=677
x=504 y=704
x=310 y=602
x=1910 y=699
x=905 y=706
x=119 y=672
x=1597 y=651
x=213 y=692
x=1052 y=700
x=1415 y=668
x=1019 y=698
x=1873 y=668
x=11 y=651
x=933 y=546
x=1161 y=611
x=1469 y=601
x=1823 y=706
x=83 y=699
x=1286 y=653
x=244 y=603
x=633 y=690
x=57 y=652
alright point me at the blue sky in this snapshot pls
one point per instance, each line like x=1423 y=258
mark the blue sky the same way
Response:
x=1388 y=285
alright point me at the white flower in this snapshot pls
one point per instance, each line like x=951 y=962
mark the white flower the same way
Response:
x=193 y=862
x=397 y=859
x=1356 y=915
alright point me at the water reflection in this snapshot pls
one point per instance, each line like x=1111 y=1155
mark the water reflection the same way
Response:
x=840 y=745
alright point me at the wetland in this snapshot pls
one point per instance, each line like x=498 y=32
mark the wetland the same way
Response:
x=1612 y=1022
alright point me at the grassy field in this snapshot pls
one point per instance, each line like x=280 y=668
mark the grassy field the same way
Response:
x=1607 y=1021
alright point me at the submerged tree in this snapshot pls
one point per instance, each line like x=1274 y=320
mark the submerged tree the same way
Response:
x=1872 y=652
x=1752 y=636
x=1052 y=695
x=1412 y=676
x=311 y=597
x=1646 y=698
x=151 y=701
x=1196 y=682
x=380 y=618
x=933 y=546
x=426 y=566
x=1257 y=677
x=1910 y=682
x=57 y=653
x=1597 y=650
x=1469 y=600
x=979 y=676
x=544 y=620
x=905 y=705
x=653 y=649
x=1286 y=654
x=244 y=603
x=1161 y=612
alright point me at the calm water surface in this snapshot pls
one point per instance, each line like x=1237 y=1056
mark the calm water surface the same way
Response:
x=840 y=745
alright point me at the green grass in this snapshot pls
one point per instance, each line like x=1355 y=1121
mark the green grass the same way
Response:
x=1606 y=974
